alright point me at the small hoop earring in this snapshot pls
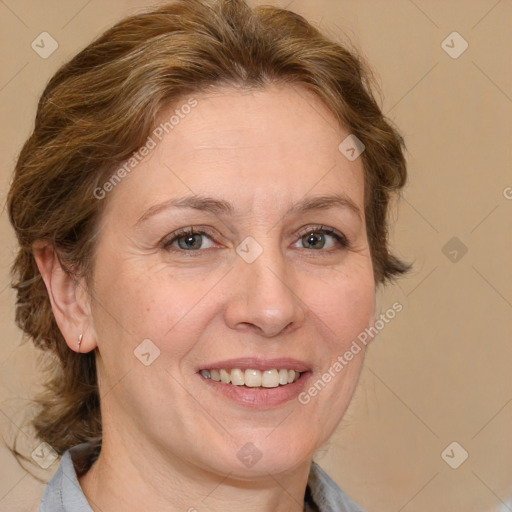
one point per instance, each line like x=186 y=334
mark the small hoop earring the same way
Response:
x=80 y=341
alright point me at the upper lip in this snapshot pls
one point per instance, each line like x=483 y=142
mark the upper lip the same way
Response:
x=258 y=363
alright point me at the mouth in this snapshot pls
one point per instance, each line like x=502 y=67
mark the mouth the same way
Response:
x=253 y=378
x=255 y=382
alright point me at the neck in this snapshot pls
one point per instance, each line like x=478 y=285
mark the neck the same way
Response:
x=140 y=478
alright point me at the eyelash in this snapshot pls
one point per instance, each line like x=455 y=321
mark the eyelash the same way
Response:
x=340 y=238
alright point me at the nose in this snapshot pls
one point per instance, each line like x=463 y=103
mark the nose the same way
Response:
x=264 y=298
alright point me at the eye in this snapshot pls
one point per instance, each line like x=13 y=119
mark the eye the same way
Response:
x=187 y=239
x=317 y=238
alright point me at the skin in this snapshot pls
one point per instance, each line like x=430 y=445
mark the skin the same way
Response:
x=169 y=441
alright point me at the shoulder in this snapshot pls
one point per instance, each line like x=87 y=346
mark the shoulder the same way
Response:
x=63 y=492
x=326 y=494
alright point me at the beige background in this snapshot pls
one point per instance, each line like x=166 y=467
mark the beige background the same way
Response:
x=440 y=371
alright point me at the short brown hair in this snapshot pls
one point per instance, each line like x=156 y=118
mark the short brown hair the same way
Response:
x=101 y=106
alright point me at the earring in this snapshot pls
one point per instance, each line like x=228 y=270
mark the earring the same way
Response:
x=80 y=341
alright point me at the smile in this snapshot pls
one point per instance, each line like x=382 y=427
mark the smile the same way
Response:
x=253 y=378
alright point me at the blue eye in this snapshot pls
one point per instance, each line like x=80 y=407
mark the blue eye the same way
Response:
x=187 y=239
x=315 y=238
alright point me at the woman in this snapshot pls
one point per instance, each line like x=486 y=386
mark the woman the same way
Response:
x=201 y=212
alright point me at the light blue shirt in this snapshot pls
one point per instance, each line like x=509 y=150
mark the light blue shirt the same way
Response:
x=64 y=494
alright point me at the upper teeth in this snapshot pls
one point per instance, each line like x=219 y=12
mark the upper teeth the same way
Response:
x=252 y=378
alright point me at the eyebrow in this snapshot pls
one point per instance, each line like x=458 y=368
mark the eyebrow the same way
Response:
x=222 y=207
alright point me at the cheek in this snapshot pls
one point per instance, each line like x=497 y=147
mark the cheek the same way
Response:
x=137 y=303
x=344 y=307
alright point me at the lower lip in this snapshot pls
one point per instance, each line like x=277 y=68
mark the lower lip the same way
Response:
x=259 y=398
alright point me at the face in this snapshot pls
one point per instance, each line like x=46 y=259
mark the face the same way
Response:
x=271 y=279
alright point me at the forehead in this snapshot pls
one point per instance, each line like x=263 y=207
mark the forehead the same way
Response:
x=280 y=122
x=272 y=145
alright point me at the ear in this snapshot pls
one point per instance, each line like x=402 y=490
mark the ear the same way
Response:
x=69 y=298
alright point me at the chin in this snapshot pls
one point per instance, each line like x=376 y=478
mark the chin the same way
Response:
x=268 y=453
